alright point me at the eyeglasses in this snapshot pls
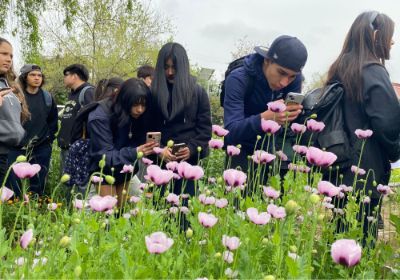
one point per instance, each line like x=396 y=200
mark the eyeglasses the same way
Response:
x=372 y=18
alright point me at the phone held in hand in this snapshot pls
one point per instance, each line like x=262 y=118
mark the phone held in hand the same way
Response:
x=177 y=147
x=153 y=137
x=294 y=98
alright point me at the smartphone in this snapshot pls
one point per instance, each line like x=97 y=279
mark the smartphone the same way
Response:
x=4 y=89
x=153 y=137
x=294 y=97
x=177 y=147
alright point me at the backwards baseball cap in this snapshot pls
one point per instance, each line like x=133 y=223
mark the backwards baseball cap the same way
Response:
x=287 y=51
x=29 y=68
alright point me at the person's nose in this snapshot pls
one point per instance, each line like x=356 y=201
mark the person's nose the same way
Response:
x=284 y=82
x=140 y=109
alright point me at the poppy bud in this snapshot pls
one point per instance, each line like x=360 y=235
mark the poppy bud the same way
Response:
x=65 y=178
x=110 y=179
x=21 y=158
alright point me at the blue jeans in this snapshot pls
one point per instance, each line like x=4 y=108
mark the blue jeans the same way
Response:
x=40 y=155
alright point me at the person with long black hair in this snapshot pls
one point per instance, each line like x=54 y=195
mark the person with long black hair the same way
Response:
x=181 y=109
x=117 y=130
x=370 y=103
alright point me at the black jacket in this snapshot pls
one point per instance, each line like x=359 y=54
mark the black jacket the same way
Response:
x=194 y=131
x=380 y=112
x=113 y=141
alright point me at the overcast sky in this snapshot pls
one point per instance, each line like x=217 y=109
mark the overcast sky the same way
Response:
x=209 y=29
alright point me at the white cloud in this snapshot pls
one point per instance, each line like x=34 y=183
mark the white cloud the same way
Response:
x=209 y=29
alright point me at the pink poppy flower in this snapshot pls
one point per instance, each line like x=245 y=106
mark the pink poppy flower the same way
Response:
x=221 y=203
x=276 y=212
x=158 y=176
x=207 y=220
x=134 y=199
x=147 y=161
x=357 y=170
x=363 y=134
x=127 y=168
x=173 y=198
x=315 y=126
x=303 y=169
x=271 y=192
x=282 y=155
x=26 y=238
x=97 y=179
x=174 y=210
x=206 y=200
x=298 y=128
x=231 y=243
x=262 y=157
x=228 y=256
x=232 y=150
x=292 y=167
x=276 y=106
x=211 y=180
x=78 y=203
x=328 y=189
x=345 y=188
x=258 y=218
x=219 y=131
x=158 y=243
x=367 y=200
x=346 y=252
x=25 y=170
x=6 y=193
x=52 y=206
x=172 y=165
x=384 y=190
x=184 y=209
x=234 y=178
x=269 y=126
x=189 y=171
x=215 y=143
x=158 y=150
x=302 y=150
x=102 y=203
x=320 y=158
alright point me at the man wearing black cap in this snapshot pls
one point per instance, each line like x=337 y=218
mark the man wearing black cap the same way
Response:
x=82 y=93
x=267 y=75
x=40 y=128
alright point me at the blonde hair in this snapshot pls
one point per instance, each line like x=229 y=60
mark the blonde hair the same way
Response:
x=11 y=79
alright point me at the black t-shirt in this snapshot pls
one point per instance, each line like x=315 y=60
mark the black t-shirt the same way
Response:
x=36 y=128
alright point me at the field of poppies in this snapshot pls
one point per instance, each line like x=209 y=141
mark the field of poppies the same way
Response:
x=285 y=229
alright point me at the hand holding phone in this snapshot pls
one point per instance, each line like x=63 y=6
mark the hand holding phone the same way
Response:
x=153 y=137
x=177 y=147
x=294 y=97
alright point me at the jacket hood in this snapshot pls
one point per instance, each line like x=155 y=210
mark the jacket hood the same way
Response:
x=253 y=66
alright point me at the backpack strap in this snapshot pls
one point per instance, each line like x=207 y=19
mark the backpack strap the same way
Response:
x=48 y=100
x=81 y=98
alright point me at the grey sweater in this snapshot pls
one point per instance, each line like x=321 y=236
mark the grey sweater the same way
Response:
x=11 y=130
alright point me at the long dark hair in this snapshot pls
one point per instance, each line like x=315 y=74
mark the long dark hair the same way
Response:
x=184 y=83
x=23 y=80
x=368 y=40
x=132 y=92
x=107 y=88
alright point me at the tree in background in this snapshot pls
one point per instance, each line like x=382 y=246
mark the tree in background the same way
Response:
x=111 y=37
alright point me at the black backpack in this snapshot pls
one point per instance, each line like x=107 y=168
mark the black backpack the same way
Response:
x=68 y=117
x=78 y=158
x=237 y=63
x=327 y=104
